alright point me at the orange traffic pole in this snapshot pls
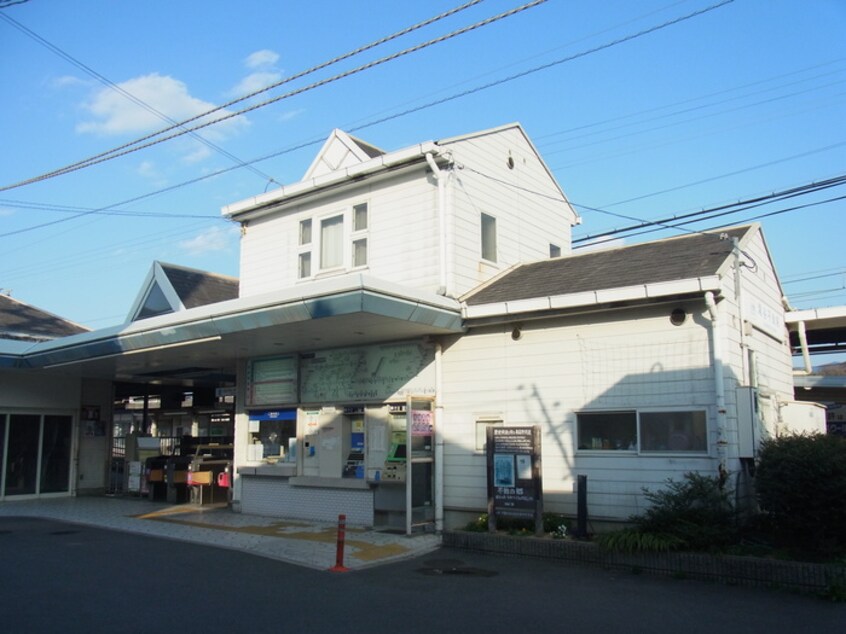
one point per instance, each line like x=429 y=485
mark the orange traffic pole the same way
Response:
x=339 y=553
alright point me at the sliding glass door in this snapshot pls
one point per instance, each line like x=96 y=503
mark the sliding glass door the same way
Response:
x=36 y=453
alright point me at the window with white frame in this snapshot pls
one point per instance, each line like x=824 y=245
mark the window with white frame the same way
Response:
x=304 y=257
x=488 y=238
x=643 y=431
x=334 y=242
x=331 y=242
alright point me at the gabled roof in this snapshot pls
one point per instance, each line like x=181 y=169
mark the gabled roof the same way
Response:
x=345 y=160
x=690 y=257
x=339 y=151
x=22 y=322
x=170 y=288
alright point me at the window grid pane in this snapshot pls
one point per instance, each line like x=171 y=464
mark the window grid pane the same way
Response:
x=360 y=217
x=360 y=252
x=305 y=231
x=305 y=265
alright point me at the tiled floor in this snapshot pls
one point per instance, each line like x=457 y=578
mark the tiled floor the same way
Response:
x=310 y=544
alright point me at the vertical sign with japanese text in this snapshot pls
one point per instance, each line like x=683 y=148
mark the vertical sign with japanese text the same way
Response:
x=514 y=474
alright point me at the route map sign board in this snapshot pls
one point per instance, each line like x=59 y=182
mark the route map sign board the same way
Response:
x=515 y=488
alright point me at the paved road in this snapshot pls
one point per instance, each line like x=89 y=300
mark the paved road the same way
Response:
x=57 y=577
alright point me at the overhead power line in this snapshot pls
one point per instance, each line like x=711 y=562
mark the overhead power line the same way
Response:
x=103 y=211
x=128 y=149
x=681 y=226
x=713 y=212
x=403 y=113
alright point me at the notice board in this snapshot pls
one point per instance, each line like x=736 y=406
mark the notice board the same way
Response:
x=515 y=488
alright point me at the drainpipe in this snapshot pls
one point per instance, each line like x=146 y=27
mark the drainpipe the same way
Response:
x=738 y=295
x=719 y=382
x=440 y=176
x=439 y=442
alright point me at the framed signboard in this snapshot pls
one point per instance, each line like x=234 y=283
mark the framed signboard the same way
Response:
x=272 y=381
x=515 y=488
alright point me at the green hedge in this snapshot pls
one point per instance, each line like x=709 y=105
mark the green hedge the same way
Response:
x=801 y=486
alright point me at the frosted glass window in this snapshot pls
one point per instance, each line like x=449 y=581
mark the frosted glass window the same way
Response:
x=305 y=265
x=332 y=242
x=360 y=217
x=360 y=252
x=305 y=231
x=488 y=238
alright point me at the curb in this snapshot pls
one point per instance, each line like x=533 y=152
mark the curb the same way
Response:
x=728 y=569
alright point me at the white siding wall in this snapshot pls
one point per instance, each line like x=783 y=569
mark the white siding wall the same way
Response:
x=628 y=359
x=759 y=293
x=527 y=222
x=766 y=335
x=402 y=237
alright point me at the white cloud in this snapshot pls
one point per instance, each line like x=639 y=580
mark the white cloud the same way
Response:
x=67 y=81
x=290 y=114
x=255 y=81
x=114 y=114
x=212 y=239
x=5 y=211
x=265 y=73
x=261 y=58
x=149 y=171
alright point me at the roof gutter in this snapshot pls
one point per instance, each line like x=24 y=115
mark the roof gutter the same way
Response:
x=593 y=299
x=258 y=206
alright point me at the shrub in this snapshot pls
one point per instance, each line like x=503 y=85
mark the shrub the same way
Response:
x=801 y=485
x=694 y=514
x=633 y=540
x=697 y=511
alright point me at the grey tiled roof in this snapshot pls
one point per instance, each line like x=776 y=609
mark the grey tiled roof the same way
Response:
x=198 y=288
x=687 y=257
x=24 y=322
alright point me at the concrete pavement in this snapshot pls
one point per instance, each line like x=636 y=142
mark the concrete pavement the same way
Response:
x=310 y=544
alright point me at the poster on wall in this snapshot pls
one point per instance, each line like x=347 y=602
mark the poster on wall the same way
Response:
x=91 y=423
x=514 y=474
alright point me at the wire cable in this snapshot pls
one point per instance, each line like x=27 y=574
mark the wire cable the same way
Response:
x=425 y=106
x=137 y=145
x=741 y=205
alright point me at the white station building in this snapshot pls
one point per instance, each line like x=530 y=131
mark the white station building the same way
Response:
x=391 y=306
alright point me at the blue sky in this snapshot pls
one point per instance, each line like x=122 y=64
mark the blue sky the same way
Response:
x=637 y=121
